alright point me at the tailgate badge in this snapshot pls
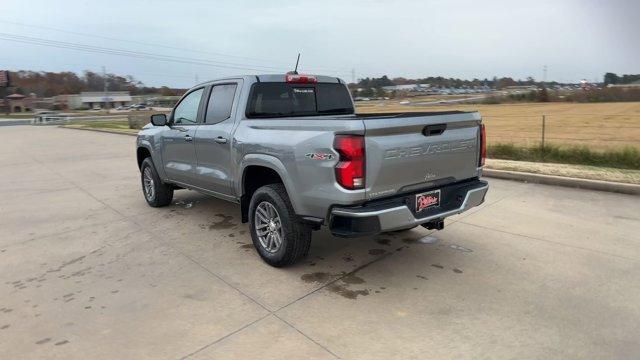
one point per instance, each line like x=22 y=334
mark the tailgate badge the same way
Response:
x=319 y=156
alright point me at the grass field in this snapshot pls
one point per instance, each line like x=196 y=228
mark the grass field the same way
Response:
x=112 y=125
x=606 y=135
x=600 y=126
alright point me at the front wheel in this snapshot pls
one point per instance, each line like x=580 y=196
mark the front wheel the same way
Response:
x=280 y=239
x=154 y=190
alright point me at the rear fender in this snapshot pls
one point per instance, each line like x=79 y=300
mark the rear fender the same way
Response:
x=272 y=163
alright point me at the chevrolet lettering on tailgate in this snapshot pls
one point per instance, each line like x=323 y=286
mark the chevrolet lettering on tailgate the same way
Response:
x=437 y=148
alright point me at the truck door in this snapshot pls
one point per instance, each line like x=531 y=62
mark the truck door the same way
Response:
x=178 y=149
x=213 y=140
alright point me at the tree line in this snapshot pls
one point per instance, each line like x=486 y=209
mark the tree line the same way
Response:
x=48 y=84
x=494 y=83
x=439 y=81
x=613 y=79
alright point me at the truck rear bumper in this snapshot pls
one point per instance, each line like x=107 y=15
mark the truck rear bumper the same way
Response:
x=397 y=213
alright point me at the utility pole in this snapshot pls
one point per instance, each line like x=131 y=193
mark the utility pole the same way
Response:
x=353 y=76
x=105 y=98
x=544 y=125
x=544 y=75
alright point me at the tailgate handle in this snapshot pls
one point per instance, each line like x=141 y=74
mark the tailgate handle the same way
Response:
x=433 y=130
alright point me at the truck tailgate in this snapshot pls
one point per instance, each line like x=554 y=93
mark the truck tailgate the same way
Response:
x=406 y=152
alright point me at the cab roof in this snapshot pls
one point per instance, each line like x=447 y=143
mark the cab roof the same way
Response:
x=274 y=78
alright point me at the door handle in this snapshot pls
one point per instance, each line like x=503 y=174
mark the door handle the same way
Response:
x=188 y=138
x=220 y=140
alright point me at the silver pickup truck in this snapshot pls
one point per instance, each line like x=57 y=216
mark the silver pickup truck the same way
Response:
x=292 y=152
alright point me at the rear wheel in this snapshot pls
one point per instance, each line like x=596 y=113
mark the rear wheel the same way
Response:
x=156 y=193
x=279 y=238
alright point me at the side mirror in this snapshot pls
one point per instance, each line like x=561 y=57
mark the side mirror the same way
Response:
x=159 y=119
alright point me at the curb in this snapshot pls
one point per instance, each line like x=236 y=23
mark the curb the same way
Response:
x=98 y=130
x=599 y=185
x=15 y=122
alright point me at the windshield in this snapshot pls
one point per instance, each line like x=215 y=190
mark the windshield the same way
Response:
x=277 y=99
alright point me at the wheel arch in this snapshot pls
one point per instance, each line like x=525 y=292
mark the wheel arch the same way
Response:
x=142 y=152
x=259 y=170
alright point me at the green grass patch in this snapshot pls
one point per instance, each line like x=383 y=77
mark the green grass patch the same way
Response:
x=623 y=158
x=107 y=124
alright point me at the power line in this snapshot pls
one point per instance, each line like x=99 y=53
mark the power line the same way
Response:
x=161 y=45
x=126 y=53
x=18 y=66
x=130 y=53
x=134 y=54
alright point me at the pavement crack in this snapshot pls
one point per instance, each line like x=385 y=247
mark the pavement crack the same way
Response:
x=226 y=336
x=307 y=336
x=158 y=237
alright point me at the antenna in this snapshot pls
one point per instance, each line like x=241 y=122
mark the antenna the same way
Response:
x=295 y=71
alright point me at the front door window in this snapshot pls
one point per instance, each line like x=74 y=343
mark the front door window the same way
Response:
x=186 y=113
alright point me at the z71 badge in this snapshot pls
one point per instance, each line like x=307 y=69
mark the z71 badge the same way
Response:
x=319 y=156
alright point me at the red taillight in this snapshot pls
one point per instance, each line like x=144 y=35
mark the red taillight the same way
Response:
x=300 y=79
x=350 y=167
x=483 y=145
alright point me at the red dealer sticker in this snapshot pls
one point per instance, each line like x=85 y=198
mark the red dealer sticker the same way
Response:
x=427 y=200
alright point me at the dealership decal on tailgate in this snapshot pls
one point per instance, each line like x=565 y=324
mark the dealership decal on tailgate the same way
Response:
x=427 y=200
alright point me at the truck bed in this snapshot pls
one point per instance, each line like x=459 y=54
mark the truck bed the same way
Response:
x=411 y=114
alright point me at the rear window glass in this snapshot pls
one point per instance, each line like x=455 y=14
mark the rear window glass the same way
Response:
x=276 y=99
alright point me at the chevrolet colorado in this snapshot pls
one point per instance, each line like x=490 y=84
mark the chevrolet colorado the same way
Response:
x=292 y=152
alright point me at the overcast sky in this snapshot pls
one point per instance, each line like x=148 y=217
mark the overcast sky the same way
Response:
x=452 y=38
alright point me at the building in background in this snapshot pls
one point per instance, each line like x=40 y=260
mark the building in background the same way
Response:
x=156 y=100
x=633 y=85
x=93 y=99
x=520 y=88
x=17 y=103
x=408 y=87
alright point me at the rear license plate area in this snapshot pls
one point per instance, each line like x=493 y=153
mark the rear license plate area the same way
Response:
x=426 y=200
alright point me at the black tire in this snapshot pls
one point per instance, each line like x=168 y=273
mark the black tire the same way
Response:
x=162 y=193
x=295 y=236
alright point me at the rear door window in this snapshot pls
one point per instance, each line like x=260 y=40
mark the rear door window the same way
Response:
x=220 y=103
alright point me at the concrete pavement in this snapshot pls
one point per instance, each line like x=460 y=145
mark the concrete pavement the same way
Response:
x=88 y=270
